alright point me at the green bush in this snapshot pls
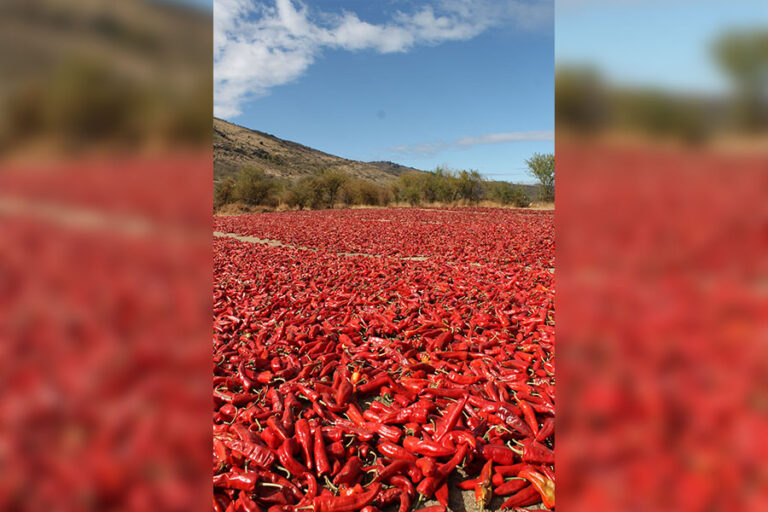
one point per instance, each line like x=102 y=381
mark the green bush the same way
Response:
x=254 y=187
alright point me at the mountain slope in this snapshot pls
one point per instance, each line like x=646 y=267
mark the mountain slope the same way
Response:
x=235 y=147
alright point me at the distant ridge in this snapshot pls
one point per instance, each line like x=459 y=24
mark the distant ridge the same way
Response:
x=235 y=147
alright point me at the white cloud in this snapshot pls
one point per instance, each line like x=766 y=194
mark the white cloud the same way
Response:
x=466 y=142
x=259 y=46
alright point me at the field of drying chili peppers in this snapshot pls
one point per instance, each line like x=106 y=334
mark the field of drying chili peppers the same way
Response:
x=389 y=359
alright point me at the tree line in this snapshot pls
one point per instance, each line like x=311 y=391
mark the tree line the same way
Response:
x=331 y=187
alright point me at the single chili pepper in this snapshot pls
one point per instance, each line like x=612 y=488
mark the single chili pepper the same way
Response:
x=304 y=437
x=427 y=465
x=509 y=470
x=396 y=467
x=285 y=454
x=239 y=481
x=511 y=419
x=355 y=415
x=462 y=436
x=271 y=438
x=349 y=472
x=369 y=508
x=344 y=392
x=424 y=447
x=522 y=498
x=510 y=487
x=274 y=478
x=467 y=485
x=429 y=485
x=374 y=384
x=387 y=496
x=499 y=454
x=394 y=451
x=450 y=419
x=529 y=415
x=388 y=432
x=483 y=486
x=346 y=503
x=336 y=449
x=277 y=428
x=543 y=485
x=404 y=484
x=405 y=501
x=441 y=494
x=536 y=453
x=547 y=429
x=259 y=455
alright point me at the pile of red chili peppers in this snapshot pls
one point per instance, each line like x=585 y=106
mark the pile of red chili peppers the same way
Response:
x=345 y=383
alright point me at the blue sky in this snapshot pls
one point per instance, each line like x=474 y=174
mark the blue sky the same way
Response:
x=444 y=82
x=652 y=42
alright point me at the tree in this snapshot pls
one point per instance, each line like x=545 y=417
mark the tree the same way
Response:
x=744 y=56
x=225 y=193
x=254 y=187
x=507 y=193
x=333 y=181
x=542 y=167
x=470 y=186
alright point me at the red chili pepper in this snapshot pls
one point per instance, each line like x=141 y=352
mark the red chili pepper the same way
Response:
x=509 y=470
x=349 y=472
x=543 y=485
x=537 y=453
x=257 y=454
x=240 y=481
x=483 y=485
x=277 y=428
x=427 y=465
x=404 y=484
x=425 y=447
x=304 y=437
x=441 y=494
x=499 y=454
x=510 y=487
x=394 y=451
x=429 y=485
x=529 y=415
x=523 y=498
x=346 y=503
x=450 y=419
x=285 y=454
x=547 y=429
x=396 y=467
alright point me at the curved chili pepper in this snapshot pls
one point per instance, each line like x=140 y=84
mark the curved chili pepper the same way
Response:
x=510 y=487
x=537 y=453
x=529 y=415
x=543 y=485
x=239 y=481
x=523 y=498
x=441 y=494
x=396 y=467
x=499 y=454
x=483 y=485
x=257 y=454
x=346 y=503
x=404 y=484
x=450 y=419
x=394 y=451
x=349 y=472
x=547 y=429
x=424 y=447
x=285 y=454
x=304 y=437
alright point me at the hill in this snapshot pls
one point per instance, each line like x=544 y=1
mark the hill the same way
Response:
x=235 y=147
